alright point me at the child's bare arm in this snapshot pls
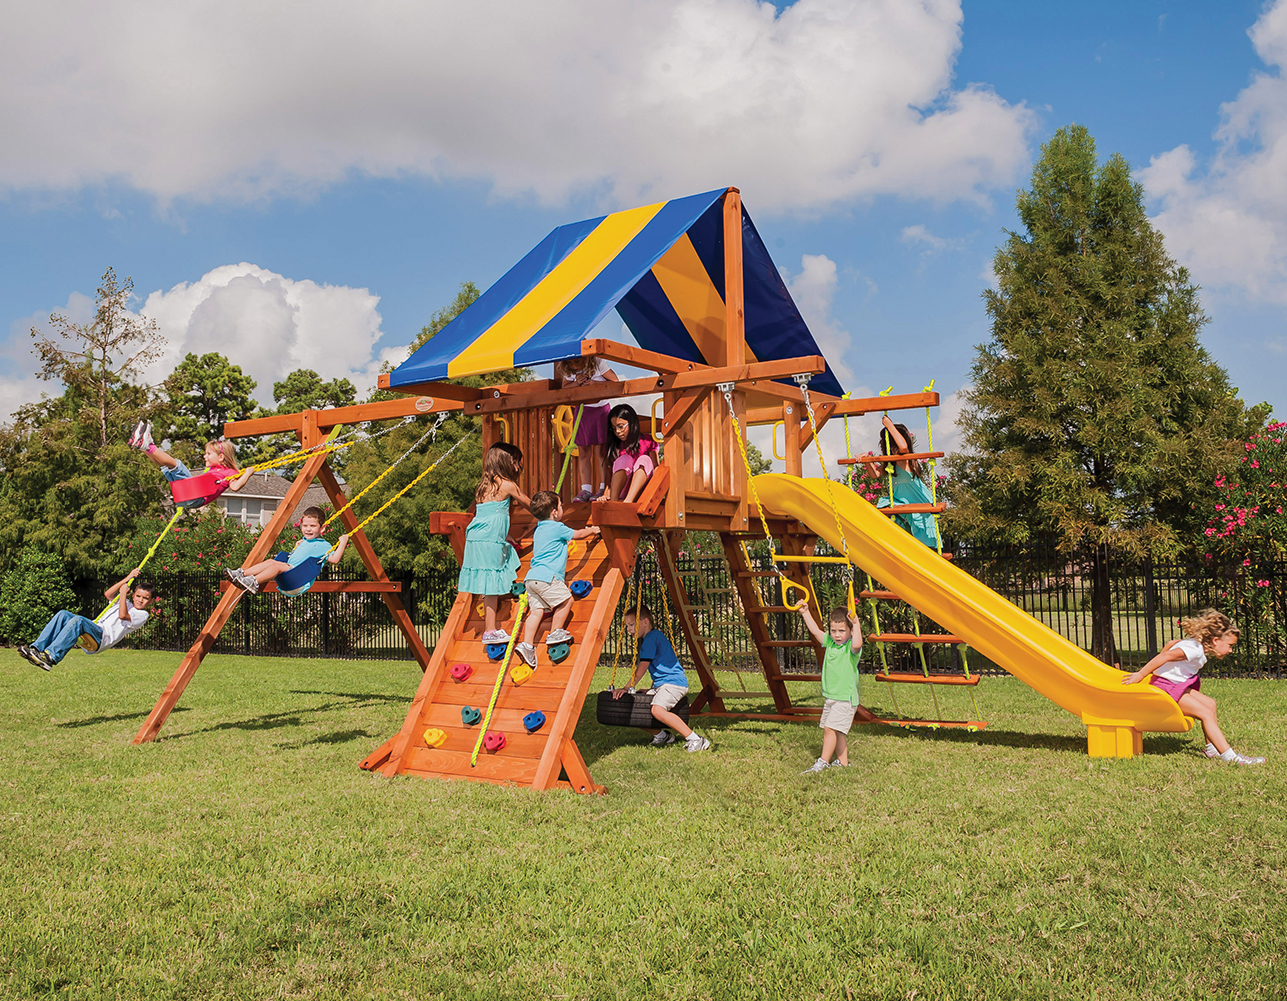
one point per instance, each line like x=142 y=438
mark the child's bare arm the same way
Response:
x=585 y=533
x=896 y=439
x=338 y=553
x=640 y=670
x=610 y=375
x=1167 y=655
x=510 y=489
x=812 y=626
x=856 y=626
x=240 y=481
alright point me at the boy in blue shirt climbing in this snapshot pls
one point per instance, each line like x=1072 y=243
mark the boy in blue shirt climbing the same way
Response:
x=670 y=684
x=311 y=547
x=841 y=647
x=546 y=590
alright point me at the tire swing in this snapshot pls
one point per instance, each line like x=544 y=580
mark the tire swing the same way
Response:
x=634 y=709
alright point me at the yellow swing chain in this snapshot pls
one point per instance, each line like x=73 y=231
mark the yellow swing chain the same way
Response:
x=178 y=513
x=638 y=589
x=500 y=675
x=326 y=448
x=803 y=382
x=432 y=434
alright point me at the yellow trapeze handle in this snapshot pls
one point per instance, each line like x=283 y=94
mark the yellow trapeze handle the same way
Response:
x=795 y=606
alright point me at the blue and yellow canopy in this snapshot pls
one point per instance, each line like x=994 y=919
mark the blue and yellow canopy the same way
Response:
x=661 y=266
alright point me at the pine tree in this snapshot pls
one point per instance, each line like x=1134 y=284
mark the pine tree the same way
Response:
x=1095 y=416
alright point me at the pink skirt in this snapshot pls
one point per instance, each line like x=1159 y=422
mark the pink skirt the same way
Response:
x=593 y=429
x=1175 y=689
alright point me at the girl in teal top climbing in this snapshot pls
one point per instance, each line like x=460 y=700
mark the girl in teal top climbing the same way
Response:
x=490 y=564
x=910 y=482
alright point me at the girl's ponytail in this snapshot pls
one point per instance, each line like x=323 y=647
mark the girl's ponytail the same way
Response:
x=503 y=461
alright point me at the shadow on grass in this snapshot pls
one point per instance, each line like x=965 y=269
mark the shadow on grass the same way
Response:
x=299 y=717
x=72 y=724
x=338 y=737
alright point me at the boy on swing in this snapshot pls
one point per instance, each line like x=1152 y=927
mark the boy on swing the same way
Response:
x=311 y=547
x=65 y=629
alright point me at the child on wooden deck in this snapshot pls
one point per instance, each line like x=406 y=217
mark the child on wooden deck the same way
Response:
x=631 y=456
x=670 y=684
x=1175 y=671
x=65 y=629
x=546 y=590
x=841 y=646
x=220 y=459
x=592 y=432
x=490 y=563
x=311 y=547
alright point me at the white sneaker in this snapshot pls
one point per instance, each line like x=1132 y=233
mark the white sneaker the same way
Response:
x=496 y=636
x=1211 y=751
x=527 y=652
x=664 y=739
x=817 y=766
x=838 y=764
x=558 y=636
x=250 y=583
x=237 y=577
x=1242 y=759
x=696 y=742
x=137 y=436
x=145 y=438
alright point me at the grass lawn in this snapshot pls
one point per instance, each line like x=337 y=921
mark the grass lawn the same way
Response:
x=244 y=854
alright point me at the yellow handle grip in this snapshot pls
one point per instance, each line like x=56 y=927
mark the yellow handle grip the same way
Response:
x=655 y=436
x=787 y=586
x=782 y=425
x=504 y=427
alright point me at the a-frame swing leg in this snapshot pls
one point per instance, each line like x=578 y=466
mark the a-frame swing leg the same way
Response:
x=375 y=568
x=223 y=611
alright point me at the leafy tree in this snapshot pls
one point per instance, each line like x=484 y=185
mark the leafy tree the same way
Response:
x=205 y=392
x=94 y=361
x=304 y=389
x=70 y=485
x=1095 y=416
x=33 y=589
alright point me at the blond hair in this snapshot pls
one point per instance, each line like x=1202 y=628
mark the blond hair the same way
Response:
x=503 y=461
x=224 y=447
x=1208 y=625
x=570 y=368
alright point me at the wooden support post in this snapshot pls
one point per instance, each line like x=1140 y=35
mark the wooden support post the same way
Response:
x=709 y=695
x=375 y=568
x=740 y=570
x=219 y=617
x=734 y=351
x=791 y=443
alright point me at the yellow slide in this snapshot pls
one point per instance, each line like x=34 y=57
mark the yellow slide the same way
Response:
x=1115 y=715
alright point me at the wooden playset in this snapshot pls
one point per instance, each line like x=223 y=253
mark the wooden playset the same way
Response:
x=727 y=350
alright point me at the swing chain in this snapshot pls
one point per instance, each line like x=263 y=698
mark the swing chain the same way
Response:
x=803 y=382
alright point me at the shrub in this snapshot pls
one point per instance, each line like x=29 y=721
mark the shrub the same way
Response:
x=32 y=591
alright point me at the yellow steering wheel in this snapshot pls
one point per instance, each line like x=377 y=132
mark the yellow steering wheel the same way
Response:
x=562 y=422
x=787 y=586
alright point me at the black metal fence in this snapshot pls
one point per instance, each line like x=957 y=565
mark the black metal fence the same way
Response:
x=1147 y=598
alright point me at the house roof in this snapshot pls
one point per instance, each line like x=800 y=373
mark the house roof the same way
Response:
x=660 y=266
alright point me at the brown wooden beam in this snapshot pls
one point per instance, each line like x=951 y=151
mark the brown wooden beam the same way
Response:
x=638 y=357
x=851 y=408
x=356 y=414
x=332 y=586
x=677 y=416
x=447 y=390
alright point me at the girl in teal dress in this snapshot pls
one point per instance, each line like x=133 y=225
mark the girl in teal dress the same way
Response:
x=490 y=564
x=910 y=482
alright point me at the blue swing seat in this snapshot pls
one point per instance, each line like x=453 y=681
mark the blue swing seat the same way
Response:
x=299 y=576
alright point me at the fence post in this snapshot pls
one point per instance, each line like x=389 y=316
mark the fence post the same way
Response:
x=1150 y=608
x=326 y=624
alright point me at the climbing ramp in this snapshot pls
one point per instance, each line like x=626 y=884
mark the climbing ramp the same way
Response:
x=546 y=759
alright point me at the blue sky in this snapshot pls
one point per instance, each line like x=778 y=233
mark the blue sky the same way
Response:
x=361 y=221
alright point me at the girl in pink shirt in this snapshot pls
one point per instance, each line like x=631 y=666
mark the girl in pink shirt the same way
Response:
x=221 y=462
x=631 y=457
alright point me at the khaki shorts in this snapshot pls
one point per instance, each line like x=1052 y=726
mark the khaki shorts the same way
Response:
x=668 y=696
x=546 y=595
x=837 y=715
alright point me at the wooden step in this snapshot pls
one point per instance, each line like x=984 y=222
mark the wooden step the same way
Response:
x=933 y=679
x=894 y=509
x=879 y=595
x=776 y=643
x=757 y=573
x=913 y=638
x=889 y=458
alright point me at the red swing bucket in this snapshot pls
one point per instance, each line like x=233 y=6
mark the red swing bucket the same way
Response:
x=191 y=488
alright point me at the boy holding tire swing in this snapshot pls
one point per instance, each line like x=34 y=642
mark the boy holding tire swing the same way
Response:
x=670 y=684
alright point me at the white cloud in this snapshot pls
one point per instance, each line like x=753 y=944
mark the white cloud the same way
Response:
x=1228 y=220
x=830 y=100
x=271 y=325
x=814 y=290
x=919 y=235
x=19 y=384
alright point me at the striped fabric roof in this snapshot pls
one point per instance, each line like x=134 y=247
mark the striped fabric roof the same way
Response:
x=661 y=266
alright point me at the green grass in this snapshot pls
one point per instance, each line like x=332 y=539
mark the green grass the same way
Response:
x=244 y=855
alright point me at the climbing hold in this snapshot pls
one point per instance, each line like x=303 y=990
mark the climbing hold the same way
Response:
x=517 y=588
x=534 y=721
x=580 y=588
x=574 y=551
x=478 y=609
x=469 y=715
x=461 y=672
x=435 y=737
x=495 y=651
x=494 y=741
x=520 y=673
x=559 y=652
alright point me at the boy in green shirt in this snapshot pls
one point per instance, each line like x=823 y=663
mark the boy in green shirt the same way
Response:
x=841 y=645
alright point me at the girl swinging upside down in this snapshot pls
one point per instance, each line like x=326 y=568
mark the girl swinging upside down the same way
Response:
x=1175 y=671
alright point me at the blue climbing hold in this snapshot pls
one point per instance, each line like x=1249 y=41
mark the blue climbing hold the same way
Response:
x=495 y=651
x=517 y=588
x=580 y=588
x=469 y=715
x=534 y=721
x=559 y=651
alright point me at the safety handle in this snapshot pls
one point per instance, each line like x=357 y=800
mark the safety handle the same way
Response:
x=787 y=586
x=504 y=423
x=655 y=436
x=782 y=425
